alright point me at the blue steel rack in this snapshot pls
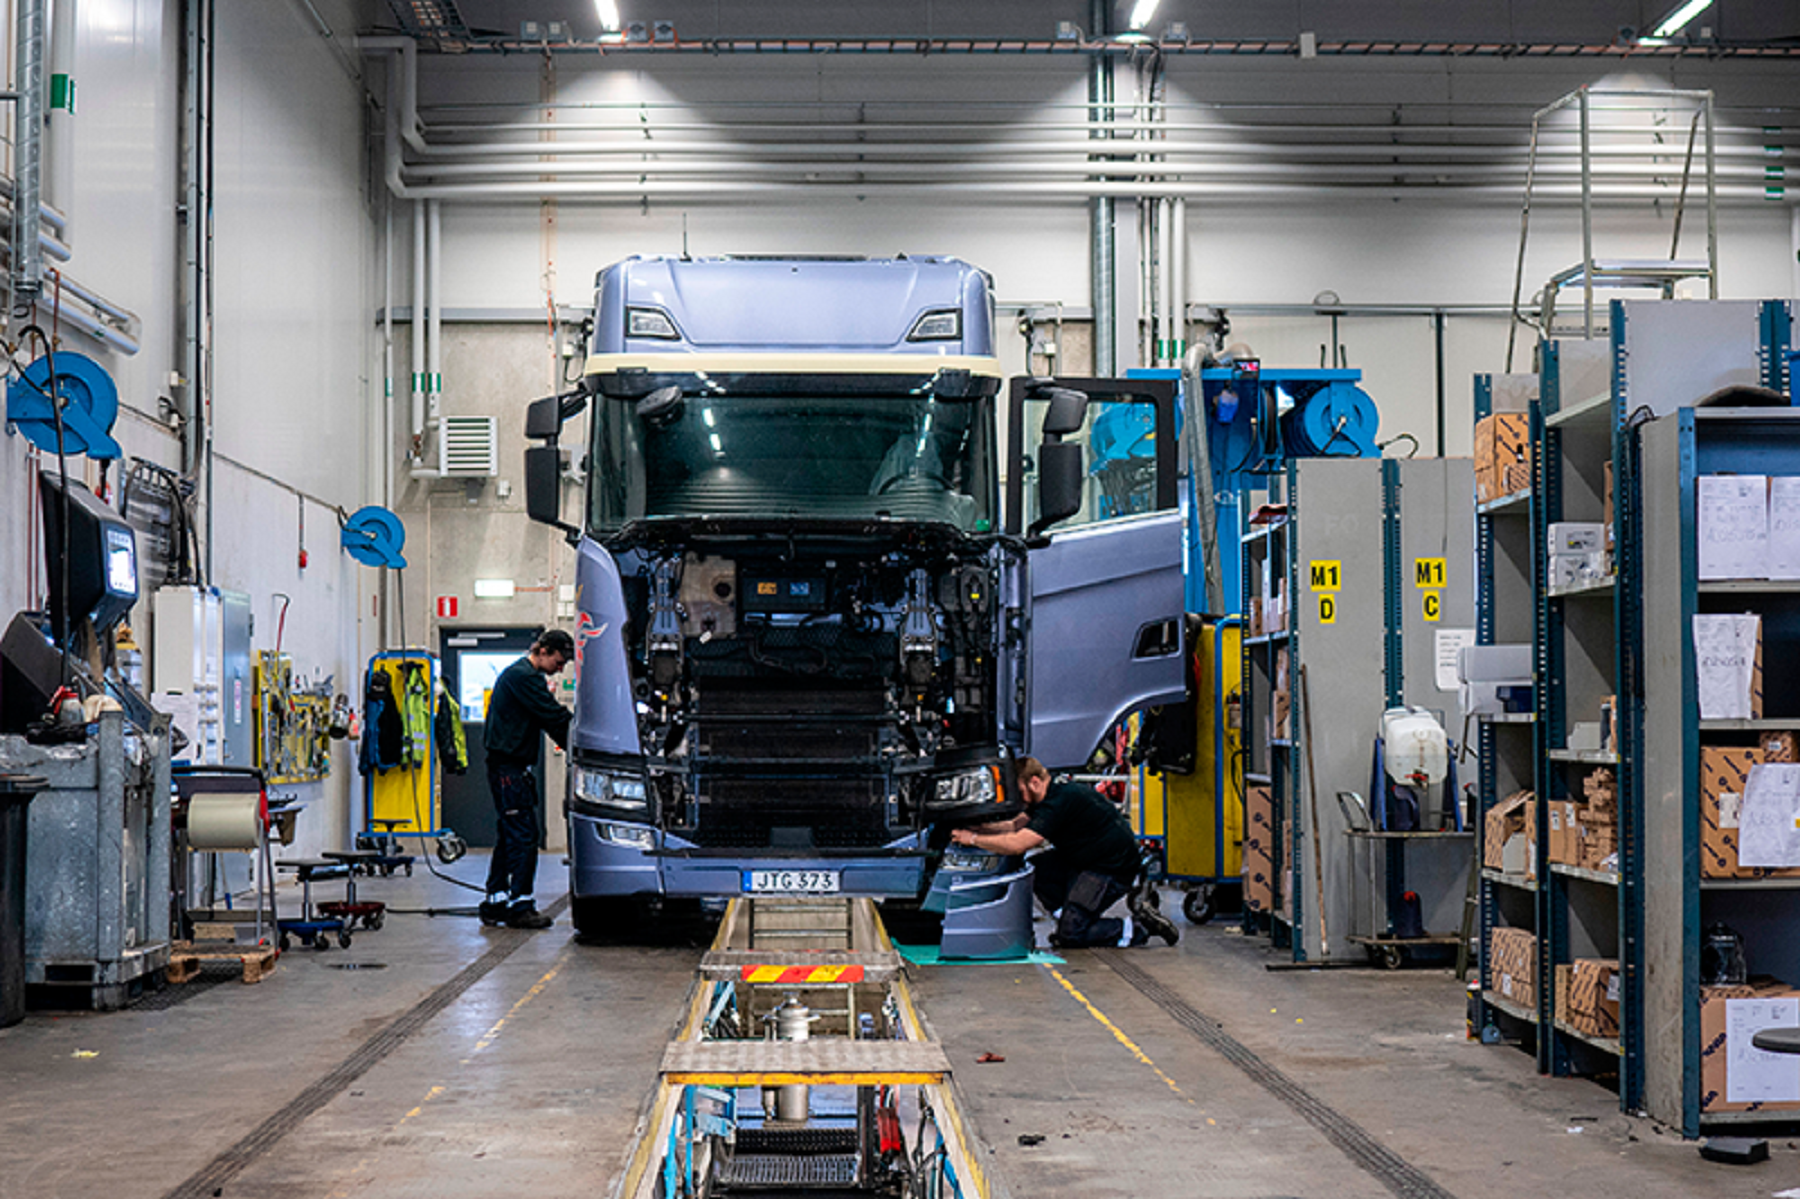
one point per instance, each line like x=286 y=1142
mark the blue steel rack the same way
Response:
x=1505 y=614
x=1630 y=637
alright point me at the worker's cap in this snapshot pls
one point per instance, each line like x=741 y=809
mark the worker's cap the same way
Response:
x=557 y=642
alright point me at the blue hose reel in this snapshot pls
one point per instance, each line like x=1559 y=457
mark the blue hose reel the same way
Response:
x=1337 y=421
x=90 y=406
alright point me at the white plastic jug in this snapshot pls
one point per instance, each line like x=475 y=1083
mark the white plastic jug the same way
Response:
x=1416 y=746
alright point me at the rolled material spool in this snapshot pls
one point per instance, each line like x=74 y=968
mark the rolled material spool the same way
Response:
x=224 y=821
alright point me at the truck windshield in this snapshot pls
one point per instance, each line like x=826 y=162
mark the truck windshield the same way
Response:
x=903 y=458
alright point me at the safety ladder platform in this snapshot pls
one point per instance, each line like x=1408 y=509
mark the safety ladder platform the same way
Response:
x=823 y=1061
x=800 y=967
x=1633 y=272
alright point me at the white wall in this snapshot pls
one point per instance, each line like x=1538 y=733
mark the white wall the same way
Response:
x=1282 y=250
x=295 y=252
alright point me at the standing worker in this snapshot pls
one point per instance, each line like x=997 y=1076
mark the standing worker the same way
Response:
x=521 y=707
x=1091 y=865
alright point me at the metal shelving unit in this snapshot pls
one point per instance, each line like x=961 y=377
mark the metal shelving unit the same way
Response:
x=1580 y=655
x=1359 y=631
x=1675 y=452
x=1504 y=615
x=1624 y=403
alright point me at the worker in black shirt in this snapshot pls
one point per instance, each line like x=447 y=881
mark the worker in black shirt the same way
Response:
x=1092 y=863
x=519 y=709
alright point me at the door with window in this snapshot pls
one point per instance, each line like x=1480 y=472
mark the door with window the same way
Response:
x=1105 y=592
x=473 y=659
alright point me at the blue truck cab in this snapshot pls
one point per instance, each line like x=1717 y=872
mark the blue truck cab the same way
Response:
x=810 y=636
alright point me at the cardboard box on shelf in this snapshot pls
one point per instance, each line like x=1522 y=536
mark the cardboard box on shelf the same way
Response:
x=1560 y=996
x=1504 y=821
x=1601 y=790
x=1724 y=771
x=1565 y=832
x=1502 y=443
x=1281 y=703
x=1721 y=1041
x=1594 y=987
x=1259 y=849
x=1732 y=526
x=1728 y=651
x=1577 y=537
x=1779 y=747
x=1512 y=972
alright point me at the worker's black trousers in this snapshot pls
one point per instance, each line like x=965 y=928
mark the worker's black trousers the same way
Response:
x=1082 y=895
x=513 y=869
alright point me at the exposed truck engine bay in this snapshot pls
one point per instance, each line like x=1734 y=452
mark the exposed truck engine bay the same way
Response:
x=797 y=699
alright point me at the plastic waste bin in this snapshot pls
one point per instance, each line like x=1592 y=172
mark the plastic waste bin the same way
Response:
x=16 y=791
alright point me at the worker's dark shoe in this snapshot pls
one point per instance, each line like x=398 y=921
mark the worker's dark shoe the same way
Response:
x=1149 y=920
x=1140 y=935
x=527 y=918
x=492 y=914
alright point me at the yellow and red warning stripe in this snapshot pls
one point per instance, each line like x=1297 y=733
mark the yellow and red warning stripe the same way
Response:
x=795 y=975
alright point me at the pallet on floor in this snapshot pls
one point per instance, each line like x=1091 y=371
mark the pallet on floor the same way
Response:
x=186 y=958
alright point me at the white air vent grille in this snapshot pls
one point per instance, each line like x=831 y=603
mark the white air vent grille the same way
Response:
x=469 y=447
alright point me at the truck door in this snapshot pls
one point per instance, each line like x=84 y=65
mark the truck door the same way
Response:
x=1103 y=586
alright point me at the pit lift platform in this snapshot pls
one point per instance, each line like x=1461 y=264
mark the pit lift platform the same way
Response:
x=802 y=1065
x=1255 y=420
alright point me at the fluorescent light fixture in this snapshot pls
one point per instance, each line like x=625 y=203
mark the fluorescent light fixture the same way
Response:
x=718 y=447
x=706 y=414
x=1143 y=10
x=609 y=14
x=1676 y=21
x=494 y=588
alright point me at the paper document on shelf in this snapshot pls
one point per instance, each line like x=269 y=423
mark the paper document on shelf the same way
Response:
x=1733 y=526
x=1766 y=832
x=1784 y=527
x=1725 y=660
x=1754 y=1075
x=1447 y=644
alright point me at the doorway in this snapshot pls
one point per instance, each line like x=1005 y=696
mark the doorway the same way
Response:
x=473 y=660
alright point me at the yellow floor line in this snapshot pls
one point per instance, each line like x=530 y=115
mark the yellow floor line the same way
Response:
x=1116 y=1031
x=537 y=988
x=342 y=1190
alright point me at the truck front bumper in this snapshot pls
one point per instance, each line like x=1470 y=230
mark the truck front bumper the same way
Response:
x=603 y=863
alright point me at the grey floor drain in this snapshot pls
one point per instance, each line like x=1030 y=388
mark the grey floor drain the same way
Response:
x=357 y=965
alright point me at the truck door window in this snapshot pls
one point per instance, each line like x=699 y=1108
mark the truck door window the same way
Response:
x=1118 y=441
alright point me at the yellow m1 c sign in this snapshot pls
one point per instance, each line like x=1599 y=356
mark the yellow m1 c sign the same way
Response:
x=1428 y=572
x=1327 y=608
x=1434 y=604
x=1326 y=574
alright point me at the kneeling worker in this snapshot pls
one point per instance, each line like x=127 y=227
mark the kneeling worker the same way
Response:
x=1091 y=865
x=520 y=709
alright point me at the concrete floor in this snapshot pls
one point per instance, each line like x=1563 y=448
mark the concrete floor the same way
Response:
x=531 y=1081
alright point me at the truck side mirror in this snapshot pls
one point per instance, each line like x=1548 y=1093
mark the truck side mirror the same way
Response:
x=543 y=486
x=1068 y=409
x=543 y=418
x=1059 y=482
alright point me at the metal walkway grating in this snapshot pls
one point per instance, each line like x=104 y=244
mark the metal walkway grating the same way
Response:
x=808 y=1170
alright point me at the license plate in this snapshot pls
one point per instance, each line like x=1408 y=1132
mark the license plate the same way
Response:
x=790 y=882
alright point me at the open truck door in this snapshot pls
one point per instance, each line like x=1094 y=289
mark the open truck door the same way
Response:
x=1092 y=490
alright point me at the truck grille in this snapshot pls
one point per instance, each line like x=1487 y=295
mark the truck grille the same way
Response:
x=793 y=814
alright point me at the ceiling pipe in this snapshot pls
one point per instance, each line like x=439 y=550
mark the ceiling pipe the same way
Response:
x=28 y=132
x=418 y=332
x=1102 y=46
x=1121 y=169
x=434 y=325
x=1102 y=246
x=705 y=189
x=860 y=151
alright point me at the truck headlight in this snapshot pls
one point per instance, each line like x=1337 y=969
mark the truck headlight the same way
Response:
x=612 y=787
x=964 y=860
x=945 y=324
x=634 y=835
x=979 y=785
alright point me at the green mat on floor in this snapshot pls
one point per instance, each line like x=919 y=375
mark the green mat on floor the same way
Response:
x=928 y=955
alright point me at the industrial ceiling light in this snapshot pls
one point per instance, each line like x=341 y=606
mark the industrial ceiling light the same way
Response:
x=1678 y=19
x=1143 y=10
x=609 y=14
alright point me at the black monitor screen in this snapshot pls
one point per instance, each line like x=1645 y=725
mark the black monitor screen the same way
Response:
x=102 y=562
